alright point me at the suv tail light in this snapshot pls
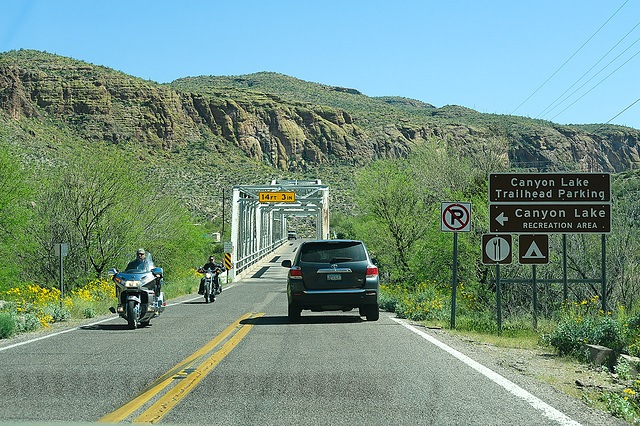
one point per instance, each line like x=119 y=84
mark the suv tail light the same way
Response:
x=295 y=272
x=372 y=271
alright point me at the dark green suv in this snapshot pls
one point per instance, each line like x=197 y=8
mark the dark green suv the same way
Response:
x=332 y=275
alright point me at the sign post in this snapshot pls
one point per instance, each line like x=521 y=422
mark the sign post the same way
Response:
x=534 y=250
x=496 y=250
x=456 y=217
x=228 y=249
x=61 y=250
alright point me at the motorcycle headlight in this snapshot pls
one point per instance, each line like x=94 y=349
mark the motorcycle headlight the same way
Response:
x=208 y=275
x=132 y=283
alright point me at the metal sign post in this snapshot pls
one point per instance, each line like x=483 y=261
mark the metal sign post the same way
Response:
x=498 y=298
x=534 y=250
x=496 y=250
x=456 y=217
x=61 y=250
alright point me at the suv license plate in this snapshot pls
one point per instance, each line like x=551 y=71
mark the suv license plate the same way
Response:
x=334 y=277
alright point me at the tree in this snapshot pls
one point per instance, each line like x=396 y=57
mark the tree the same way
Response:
x=387 y=193
x=104 y=205
x=14 y=214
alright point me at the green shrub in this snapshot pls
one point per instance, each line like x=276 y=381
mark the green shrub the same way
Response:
x=58 y=313
x=387 y=301
x=89 y=312
x=25 y=323
x=619 y=406
x=570 y=336
x=623 y=369
x=608 y=332
x=7 y=325
x=573 y=333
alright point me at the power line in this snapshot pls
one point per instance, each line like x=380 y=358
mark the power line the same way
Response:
x=546 y=110
x=594 y=76
x=571 y=57
x=597 y=84
x=616 y=116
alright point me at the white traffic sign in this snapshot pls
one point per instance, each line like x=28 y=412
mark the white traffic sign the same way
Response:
x=61 y=249
x=456 y=217
x=496 y=249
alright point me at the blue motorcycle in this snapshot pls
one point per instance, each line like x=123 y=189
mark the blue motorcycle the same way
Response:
x=138 y=290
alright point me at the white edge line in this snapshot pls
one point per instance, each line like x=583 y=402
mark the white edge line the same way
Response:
x=89 y=325
x=511 y=387
x=55 y=334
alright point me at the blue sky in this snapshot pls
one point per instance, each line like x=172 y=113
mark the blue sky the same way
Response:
x=568 y=61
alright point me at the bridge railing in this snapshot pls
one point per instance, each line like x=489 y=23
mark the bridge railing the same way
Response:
x=245 y=263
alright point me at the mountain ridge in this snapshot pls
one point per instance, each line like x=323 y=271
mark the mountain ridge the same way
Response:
x=285 y=122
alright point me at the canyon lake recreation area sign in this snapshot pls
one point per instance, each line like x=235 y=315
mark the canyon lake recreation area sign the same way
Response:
x=549 y=203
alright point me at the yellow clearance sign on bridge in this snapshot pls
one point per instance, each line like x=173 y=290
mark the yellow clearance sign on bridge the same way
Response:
x=277 y=197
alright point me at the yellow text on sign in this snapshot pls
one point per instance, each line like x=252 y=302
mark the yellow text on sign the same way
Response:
x=277 y=197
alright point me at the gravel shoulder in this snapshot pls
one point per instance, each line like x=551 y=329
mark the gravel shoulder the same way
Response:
x=543 y=372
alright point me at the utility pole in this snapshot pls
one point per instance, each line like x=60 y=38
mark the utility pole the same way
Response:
x=222 y=234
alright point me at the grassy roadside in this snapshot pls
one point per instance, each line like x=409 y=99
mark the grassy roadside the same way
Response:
x=31 y=307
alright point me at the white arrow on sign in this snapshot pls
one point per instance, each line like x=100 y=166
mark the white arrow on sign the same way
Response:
x=502 y=218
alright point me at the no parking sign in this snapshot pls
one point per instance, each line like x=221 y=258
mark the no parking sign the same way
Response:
x=456 y=217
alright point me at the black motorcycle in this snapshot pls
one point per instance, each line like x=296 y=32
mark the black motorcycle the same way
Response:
x=211 y=283
x=138 y=292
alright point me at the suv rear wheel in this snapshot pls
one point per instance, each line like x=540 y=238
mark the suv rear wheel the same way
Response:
x=372 y=312
x=294 y=312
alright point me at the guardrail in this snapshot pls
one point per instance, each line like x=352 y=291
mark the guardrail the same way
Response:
x=246 y=262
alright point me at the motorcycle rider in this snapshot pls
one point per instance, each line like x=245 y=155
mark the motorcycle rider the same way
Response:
x=211 y=265
x=140 y=262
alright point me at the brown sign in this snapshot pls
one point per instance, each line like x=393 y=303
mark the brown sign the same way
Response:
x=533 y=249
x=582 y=218
x=549 y=187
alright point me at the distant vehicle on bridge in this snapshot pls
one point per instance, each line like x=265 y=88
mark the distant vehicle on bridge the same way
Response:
x=292 y=235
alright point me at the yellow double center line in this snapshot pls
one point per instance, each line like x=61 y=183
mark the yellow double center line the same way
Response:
x=188 y=383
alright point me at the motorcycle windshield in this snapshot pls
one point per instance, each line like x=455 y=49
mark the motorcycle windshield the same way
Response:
x=138 y=266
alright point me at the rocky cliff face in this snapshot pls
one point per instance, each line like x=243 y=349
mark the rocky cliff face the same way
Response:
x=117 y=108
x=102 y=104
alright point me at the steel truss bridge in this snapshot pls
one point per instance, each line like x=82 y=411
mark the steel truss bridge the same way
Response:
x=260 y=227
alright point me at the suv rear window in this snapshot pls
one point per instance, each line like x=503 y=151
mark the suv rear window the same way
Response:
x=330 y=252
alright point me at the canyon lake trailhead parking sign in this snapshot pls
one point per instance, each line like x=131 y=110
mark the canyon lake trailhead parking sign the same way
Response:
x=456 y=217
x=550 y=203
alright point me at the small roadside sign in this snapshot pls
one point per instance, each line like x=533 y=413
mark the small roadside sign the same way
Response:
x=228 y=247
x=533 y=249
x=61 y=249
x=456 y=217
x=496 y=249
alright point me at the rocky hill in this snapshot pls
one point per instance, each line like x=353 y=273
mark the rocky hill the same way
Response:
x=282 y=122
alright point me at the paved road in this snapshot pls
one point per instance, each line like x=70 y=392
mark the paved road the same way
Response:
x=239 y=361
